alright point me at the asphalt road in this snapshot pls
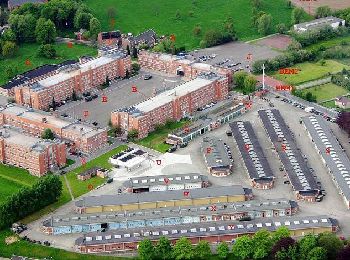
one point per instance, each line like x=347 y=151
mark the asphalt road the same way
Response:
x=119 y=95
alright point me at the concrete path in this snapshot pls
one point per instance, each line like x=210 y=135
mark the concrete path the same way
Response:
x=313 y=83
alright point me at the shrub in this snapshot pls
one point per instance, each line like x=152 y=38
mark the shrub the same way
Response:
x=46 y=51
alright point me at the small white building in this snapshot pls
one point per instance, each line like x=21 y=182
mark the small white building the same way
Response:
x=334 y=22
x=342 y=102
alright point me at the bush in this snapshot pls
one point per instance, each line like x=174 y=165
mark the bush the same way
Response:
x=47 y=134
x=46 y=51
x=9 y=49
x=28 y=200
x=281 y=28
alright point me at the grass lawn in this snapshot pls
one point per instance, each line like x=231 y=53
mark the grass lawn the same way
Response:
x=80 y=187
x=310 y=71
x=329 y=43
x=28 y=52
x=208 y=14
x=155 y=140
x=12 y=179
x=326 y=91
x=329 y=104
x=27 y=249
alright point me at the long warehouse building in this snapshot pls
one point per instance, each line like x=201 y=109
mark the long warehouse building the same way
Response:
x=332 y=154
x=162 y=199
x=255 y=162
x=82 y=223
x=299 y=174
x=228 y=231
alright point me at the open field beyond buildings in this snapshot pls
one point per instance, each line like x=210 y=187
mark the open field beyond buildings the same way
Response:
x=155 y=140
x=326 y=91
x=310 y=71
x=209 y=14
x=333 y=4
x=330 y=43
x=28 y=52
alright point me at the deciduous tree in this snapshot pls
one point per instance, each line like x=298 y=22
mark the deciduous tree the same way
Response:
x=202 y=250
x=183 y=249
x=222 y=250
x=146 y=250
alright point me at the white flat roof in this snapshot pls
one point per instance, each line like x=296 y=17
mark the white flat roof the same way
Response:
x=167 y=96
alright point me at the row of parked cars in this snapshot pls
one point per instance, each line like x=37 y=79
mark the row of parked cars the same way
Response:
x=207 y=106
x=308 y=109
x=89 y=97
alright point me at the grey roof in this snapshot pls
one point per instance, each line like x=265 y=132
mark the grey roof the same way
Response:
x=168 y=212
x=206 y=229
x=122 y=199
x=335 y=158
x=318 y=23
x=251 y=151
x=294 y=164
x=148 y=37
x=215 y=153
x=147 y=181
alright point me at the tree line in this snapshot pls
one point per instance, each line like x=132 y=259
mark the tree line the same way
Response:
x=42 y=23
x=29 y=200
x=278 y=245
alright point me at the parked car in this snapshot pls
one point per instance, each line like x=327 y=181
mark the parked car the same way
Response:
x=95 y=123
x=110 y=180
x=172 y=149
x=286 y=182
x=94 y=96
x=86 y=94
x=147 y=77
x=183 y=145
x=88 y=99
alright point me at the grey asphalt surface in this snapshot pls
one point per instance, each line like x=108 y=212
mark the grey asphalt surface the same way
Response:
x=119 y=95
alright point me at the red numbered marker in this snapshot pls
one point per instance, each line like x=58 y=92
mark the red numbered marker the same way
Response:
x=186 y=129
x=249 y=56
x=90 y=187
x=186 y=193
x=27 y=62
x=159 y=162
x=83 y=161
x=86 y=113
x=248 y=105
x=172 y=38
x=112 y=23
x=246 y=146
x=133 y=89
x=209 y=149
x=328 y=150
x=69 y=44
x=213 y=208
x=167 y=181
x=284 y=147
x=231 y=226
x=104 y=99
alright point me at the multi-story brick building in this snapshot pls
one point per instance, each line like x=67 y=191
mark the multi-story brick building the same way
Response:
x=83 y=137
x=173 y=104
x=78 y=77
x=36 y=155
x=172 y=64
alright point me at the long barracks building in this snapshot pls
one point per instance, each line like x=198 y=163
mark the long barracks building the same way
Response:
x=163 y=199
x=331 y=153
x=295 y=166
x=170 y=216
x=173 y=104
x=175 y=65
x=255 y=162
x=81 y=136
x=78 y=77
x=213 y=232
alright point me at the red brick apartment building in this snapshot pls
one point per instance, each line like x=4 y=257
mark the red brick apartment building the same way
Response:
x=173 y=104
x=172 y=64
x=83 y=137
x=36 y=155
x=79 y=77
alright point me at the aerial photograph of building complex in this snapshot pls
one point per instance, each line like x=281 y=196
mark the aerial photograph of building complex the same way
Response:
x=188 y=129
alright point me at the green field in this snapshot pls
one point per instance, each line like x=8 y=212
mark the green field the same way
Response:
x=12 y=179
x=330 y=43
x=155 y=140
x=28 y=52
x=25 y=248
x=139 y=15
x=80 y=187
x=326 y=91
x=310 y=71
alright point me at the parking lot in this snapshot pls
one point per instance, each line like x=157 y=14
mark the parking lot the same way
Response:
x=118 y=95
x=235 y=55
